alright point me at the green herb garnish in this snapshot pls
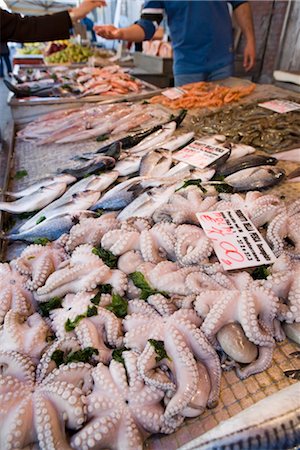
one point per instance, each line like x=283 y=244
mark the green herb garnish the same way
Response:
x=118 y=306
x=107 y=257
x=117 y=355
x=83 y=355
x=260 y=273
x=224 y=188
x=70 y=325
x=102 y=137
x=99 y=212
x=26 y=215
x=159 y=349
x=40 y=219
x=41 y=241
x=103 y=289
x=46 y=307
x=91 y=311
x=20 y=174
x=196 y=182
x=140 y=282
x=58 y=357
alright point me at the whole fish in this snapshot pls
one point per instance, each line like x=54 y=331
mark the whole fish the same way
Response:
x=64 y=178
x=270 y=424
x=52 y=228
x=82 y=168
x=96 y=183
x=156 y=139
x=289 y=155
x=128 y=165
x=155 y=163
x=78 y=201
x=239 y=150
x=178 y=142
x=113 y=149
x=245 y=162
x=255 y=178
x=146 y=203
x=37 y=200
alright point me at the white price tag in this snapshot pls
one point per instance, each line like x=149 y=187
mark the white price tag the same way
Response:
x=237 y=242
x=280 y=106
x=200 y=154
x=173 y=93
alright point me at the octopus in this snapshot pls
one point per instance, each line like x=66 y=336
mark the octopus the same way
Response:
x=254 y=308
x=122 y=410
x=192 y=245
x=90 y=231
x=284 y=281
x=37 y=262
x=177 y=371
x=261 y=209
x=183 y=207
x=38 y=412
x=285 y=228
x=83 y=272
x=13 y=292
x=24 y=334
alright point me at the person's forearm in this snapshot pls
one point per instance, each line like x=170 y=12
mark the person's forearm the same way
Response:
x=243 y=16
x=134 y=33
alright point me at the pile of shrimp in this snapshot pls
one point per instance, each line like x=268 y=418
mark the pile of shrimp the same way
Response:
x=204 y=95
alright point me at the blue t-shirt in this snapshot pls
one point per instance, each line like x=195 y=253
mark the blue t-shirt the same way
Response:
x=201 y=32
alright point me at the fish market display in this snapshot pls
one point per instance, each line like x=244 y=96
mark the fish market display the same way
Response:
x=204 y=95
x=66 y=126
x=253 y=125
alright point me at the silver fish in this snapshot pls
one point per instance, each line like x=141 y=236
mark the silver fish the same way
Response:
x=128 y=165
x=270 y=424
x=52 y=228
x=78 y=201
x=96 y=183
x=64 y=178
x=145 y=204
x=156 y=139
x=155 y=163
x=178 y=142
x=255 y=178
x=37 y=200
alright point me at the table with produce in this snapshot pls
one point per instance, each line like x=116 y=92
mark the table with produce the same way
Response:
x=149 y=284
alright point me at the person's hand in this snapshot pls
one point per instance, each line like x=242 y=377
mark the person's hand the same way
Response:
x=109 y=32
x=249 y=56
x=79 y=12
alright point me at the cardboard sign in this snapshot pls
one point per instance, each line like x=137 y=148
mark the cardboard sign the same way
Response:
x=237 y=242
x=173 y=93
x=200 y=154
x=280 y=106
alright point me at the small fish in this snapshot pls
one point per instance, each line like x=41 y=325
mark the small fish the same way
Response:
x=37 y=200
x=82 y=168
x=64 y=178
x=113 y=150
x=289 y=155
x=239 y=150
x=133 y=139
x=178 y=142
x=294 y=177
x=156 y=139
x=245 y=162
x=52 y=228
x=155 y=163
x=128 y=165
x=255 y=178
x=146 y=203
x=270 y=424
x=78 y=201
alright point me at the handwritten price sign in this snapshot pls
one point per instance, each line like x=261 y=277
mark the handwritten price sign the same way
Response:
x=280 y=106
x=200 y=154
x=237 y=243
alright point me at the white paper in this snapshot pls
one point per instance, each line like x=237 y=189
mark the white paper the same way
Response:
x=200 y=154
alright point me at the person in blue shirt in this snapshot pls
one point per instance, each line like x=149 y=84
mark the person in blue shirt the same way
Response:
x=89 y=25
x=201 y=34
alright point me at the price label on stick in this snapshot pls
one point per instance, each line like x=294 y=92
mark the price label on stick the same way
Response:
x=173 y=93
x=237 y=242
x=200 y=154
x=280 y=106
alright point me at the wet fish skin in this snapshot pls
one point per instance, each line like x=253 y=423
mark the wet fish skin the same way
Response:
x=155 y=163
x=82 y=168
x=289 y=155
x=255 y=178
x=37 y=200
x=113 y=149
x=65 y=178
x=51 y=229
x=245 y=162
x=128 y=165
x=156 y=139
x=270 y=424
x=119 y=196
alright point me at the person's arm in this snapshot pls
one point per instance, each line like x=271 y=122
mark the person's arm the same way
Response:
x=49 y=27
x=141 y=30
x=243 y=17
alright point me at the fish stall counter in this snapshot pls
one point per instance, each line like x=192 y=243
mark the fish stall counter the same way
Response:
x=183 y=388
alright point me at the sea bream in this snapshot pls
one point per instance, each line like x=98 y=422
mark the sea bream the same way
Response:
x=37 y=200
x=255 y=178
x=270 y=424
x=64 y=178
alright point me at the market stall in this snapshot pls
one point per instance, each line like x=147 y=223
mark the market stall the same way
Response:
x=135 y=288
